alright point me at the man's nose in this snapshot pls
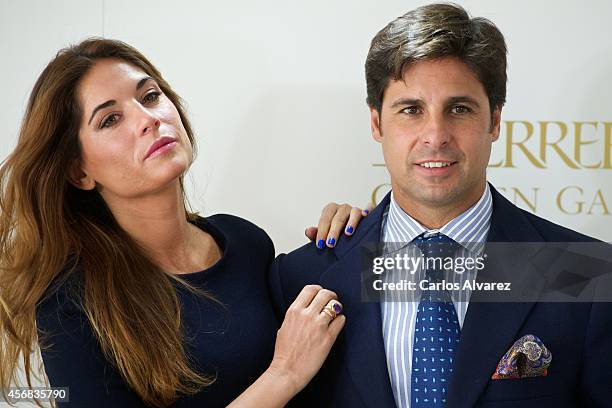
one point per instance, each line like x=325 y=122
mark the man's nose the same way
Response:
x=436 y=131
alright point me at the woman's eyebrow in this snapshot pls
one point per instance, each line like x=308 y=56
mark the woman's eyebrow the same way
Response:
x=101 y=106
x=106 y=104
x=143 y=81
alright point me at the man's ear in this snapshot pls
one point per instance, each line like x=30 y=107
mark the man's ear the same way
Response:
x=375 y=124
x=78 y=178
x=496 y=123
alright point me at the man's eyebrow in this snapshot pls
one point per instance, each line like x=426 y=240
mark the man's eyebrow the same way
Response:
x=464 y=98
x=406 y=101
x=106 y=104
x=101 y=106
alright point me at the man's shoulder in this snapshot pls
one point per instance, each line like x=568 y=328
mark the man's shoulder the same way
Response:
x=552 y=232
x=312 y=261
x=515 y=224
x=307 y=260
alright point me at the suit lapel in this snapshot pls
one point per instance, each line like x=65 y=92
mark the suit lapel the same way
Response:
x=490 y=328
x=365 y=356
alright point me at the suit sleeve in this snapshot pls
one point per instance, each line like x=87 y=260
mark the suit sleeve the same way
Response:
x=289 y=273
x=276 y=288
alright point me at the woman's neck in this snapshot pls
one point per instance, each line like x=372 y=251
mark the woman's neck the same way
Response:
x=159 y=224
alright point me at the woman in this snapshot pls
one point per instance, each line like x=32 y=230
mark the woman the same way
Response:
x=138 y=302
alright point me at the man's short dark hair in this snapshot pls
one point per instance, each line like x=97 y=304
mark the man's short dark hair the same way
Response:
x=434 y=31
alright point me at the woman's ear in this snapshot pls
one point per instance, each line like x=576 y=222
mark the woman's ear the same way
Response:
x=78 y=178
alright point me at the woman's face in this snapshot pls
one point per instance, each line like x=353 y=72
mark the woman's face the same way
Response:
x=133 y=143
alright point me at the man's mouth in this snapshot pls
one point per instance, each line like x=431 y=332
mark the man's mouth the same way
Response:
x=435 y=164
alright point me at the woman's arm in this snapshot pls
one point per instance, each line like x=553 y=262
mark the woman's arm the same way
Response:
x=73 y=359
x=303 y=342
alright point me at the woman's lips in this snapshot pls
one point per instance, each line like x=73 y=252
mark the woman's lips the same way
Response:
x=161 y=145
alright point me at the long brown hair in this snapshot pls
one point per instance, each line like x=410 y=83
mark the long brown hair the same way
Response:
x=49 y=229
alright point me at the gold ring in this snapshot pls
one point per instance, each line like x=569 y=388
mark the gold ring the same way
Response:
x=329 y=310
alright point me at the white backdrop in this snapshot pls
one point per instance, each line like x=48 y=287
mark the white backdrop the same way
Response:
x=276 y=94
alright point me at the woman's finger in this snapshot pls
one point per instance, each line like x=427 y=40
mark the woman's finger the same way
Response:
x=368 y=209
x=321 y=299
x=325 y=221
x=335 y=327
x=306 y=296
x=338 y=223
x=354 y=220
x=331 y=311
x=311 y=233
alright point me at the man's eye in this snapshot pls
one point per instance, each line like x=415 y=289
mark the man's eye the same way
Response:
x=460 y=109
x=109 y=121
x=411 y=110
x=151 y=97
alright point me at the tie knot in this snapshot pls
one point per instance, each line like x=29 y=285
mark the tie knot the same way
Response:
x=437 y=245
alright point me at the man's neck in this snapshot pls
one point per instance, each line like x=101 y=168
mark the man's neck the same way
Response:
x=432 y=215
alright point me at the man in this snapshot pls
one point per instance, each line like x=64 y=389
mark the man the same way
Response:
x=436 y=85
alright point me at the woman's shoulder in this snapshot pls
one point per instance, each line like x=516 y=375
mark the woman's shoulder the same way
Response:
x=232 y=222
x=62 y=299
x=236 y=230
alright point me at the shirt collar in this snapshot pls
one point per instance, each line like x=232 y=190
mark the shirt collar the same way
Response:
x=469 y=228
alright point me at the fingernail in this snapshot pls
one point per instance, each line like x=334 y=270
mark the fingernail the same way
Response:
x=331 y=241
x=366 y=211
x=320 y=244
x=349 y=230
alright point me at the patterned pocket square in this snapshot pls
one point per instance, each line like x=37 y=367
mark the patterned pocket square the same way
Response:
x=528 y=357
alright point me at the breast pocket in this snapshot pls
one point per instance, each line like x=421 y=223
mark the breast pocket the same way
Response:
x=524 y=389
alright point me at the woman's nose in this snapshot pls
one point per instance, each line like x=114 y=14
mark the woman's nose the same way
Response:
x=151 y=125
x=148 y=121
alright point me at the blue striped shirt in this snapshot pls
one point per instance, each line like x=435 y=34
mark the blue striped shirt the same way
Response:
x=399 y=309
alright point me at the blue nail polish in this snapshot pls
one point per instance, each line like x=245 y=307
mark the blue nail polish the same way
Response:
x=320 y=244
x=349 y=230
x=366 y=211
x=331 y=241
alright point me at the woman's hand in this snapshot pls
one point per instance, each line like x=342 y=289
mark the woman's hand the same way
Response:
x=334 y=219
x=312 y=324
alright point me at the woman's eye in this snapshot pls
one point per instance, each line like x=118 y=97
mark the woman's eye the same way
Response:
x=109 y=121
x=151 y=97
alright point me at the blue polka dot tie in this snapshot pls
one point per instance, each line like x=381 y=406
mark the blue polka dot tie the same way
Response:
x=436 y=331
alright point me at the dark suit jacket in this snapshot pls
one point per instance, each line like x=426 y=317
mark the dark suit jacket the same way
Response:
x=579 y=335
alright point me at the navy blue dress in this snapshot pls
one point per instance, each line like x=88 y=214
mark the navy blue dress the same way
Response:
x=235 y=341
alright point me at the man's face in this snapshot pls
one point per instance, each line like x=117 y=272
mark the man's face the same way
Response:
x=436 y=130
